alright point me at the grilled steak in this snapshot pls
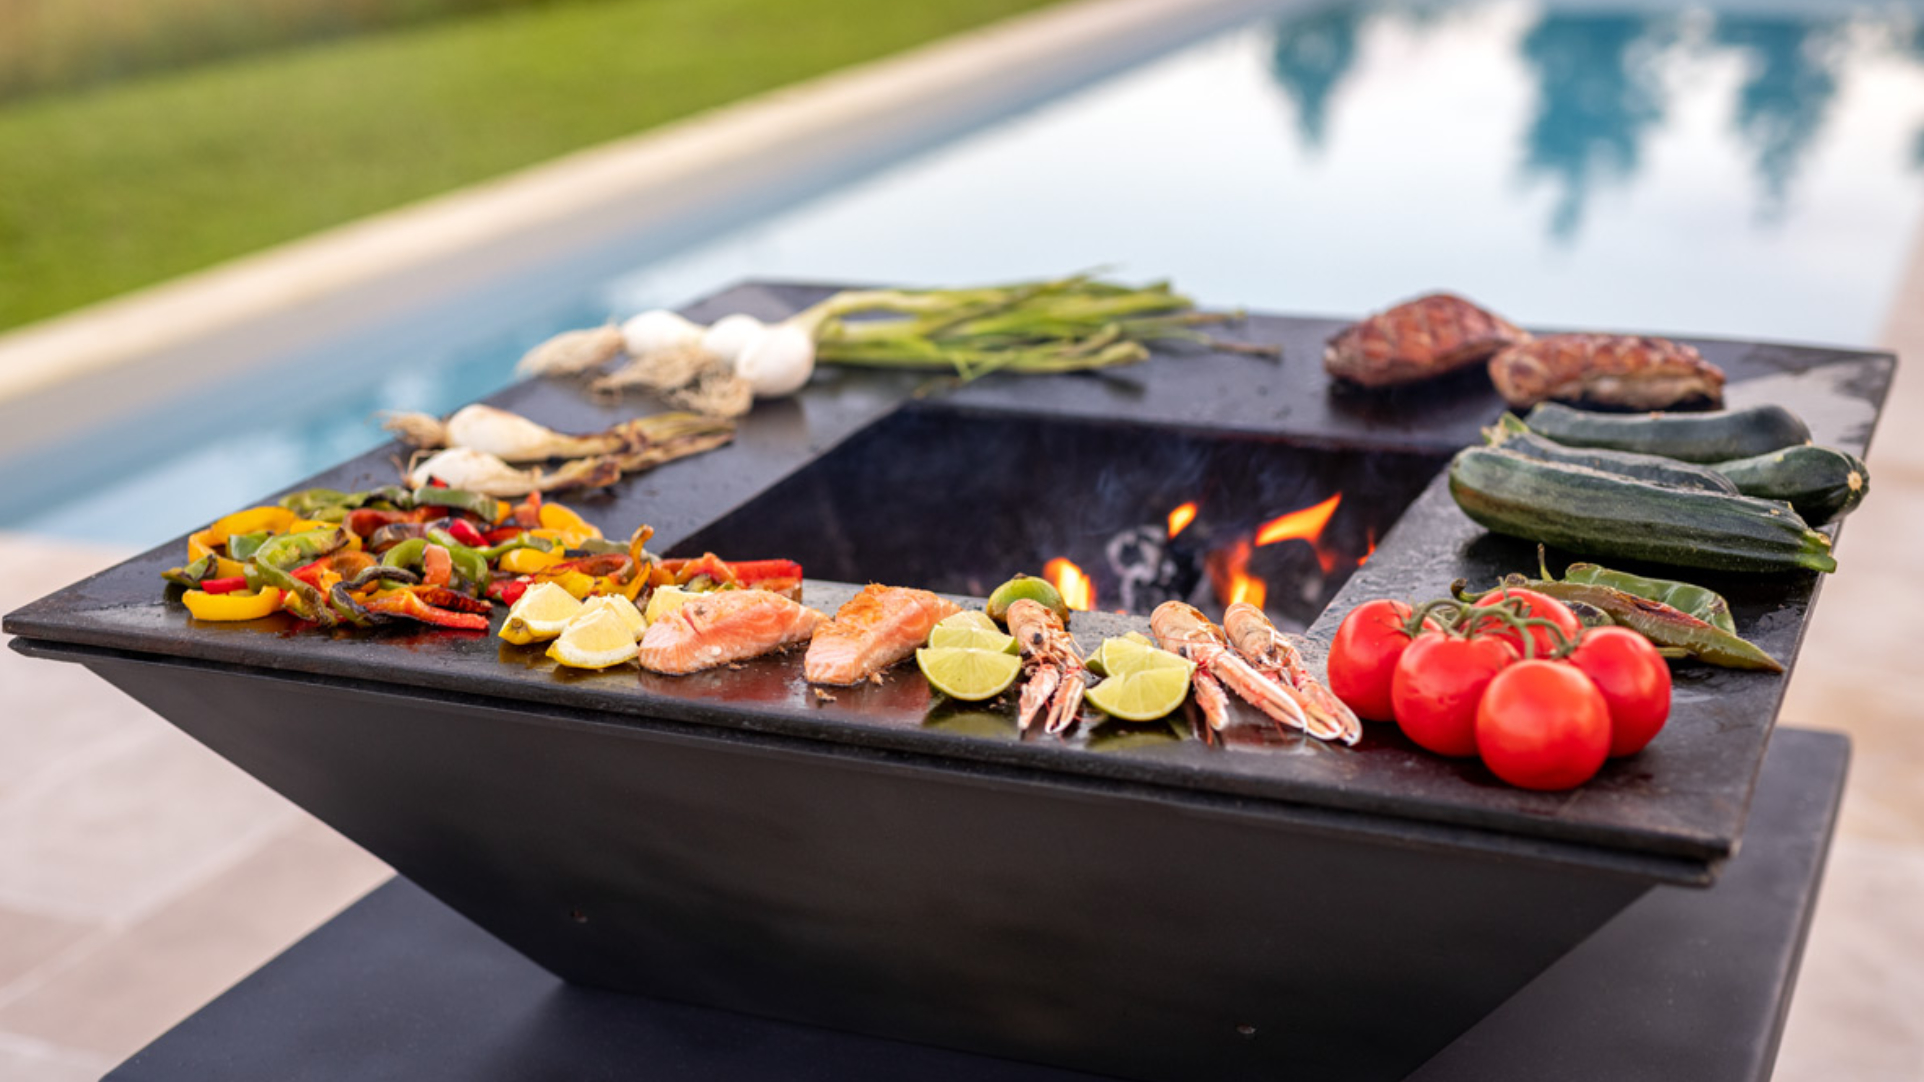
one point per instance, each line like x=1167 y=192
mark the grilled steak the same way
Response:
x=1418 y=340
x=1606 y=369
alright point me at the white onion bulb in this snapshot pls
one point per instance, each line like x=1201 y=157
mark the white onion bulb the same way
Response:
x=731 y=336
x=658 y=330
x=779 y=362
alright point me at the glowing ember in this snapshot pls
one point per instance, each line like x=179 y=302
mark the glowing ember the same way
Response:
x=1078 y=591
x=1180 y=518
x=1305 y=525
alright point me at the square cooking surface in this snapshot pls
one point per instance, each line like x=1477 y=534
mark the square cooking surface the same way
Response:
x=1681 y=801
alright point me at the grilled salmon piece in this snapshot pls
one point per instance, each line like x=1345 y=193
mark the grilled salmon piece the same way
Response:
x=725 y=626
x=1606 y=369
x=877 y=628
x=1417 y=340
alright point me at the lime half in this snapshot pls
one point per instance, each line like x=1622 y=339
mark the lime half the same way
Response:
x=971 y=631
x=1133 y=653
x=968 y=675
x=1141 y=696
x=1035 y=589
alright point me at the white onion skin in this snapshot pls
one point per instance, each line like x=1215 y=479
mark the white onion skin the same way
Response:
x=657 y=330
x=731 y=336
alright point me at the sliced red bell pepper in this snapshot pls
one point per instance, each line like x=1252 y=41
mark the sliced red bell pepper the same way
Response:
x=505 y=533
x=758 y=571
x=509 y=591
x=463 y=531
x=223 y=586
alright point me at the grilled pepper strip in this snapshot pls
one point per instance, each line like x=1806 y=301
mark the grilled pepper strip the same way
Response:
x=407 y=603
x=1705 y=604
x=193 y=574
x=233 y=605
x=1662 y=625
x=486 y=508
x=275 y=558
x=470 y=563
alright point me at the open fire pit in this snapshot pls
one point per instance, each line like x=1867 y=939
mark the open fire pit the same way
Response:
x=1129 y=901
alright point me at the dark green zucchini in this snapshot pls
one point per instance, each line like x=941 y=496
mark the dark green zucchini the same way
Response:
x=1512 y=435
x=1688 y=437
x=1822 y=483
x=1601 y=514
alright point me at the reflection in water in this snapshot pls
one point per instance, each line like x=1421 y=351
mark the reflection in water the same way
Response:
x=1599 y=92
x=1313 y=52
x=1782 y=105
x=1597 y=99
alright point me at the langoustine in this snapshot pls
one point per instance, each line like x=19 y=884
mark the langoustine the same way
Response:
x=1056 y=676
x=1271 y=654
x=1184 y=631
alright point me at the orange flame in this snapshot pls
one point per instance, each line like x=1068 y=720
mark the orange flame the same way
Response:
x=1229 y=574
x=1180 y=518
x=1306 y=524
x=1369 y=552
x=1077 y=589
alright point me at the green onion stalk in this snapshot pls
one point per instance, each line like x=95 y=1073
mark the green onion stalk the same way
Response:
x=1072 y=324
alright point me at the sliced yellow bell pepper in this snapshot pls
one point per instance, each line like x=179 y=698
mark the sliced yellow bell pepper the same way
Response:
x=232 y=606
x=529 y=561
x=556 y=517
x=204 y=544
x=253 y=520
x=578 y=583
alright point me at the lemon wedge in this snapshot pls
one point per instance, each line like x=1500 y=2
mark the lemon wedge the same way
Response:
x=630 y=616
x=541 y=613
x=667 y=599
x=595 y=641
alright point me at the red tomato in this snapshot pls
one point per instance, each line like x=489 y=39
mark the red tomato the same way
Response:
x=1362 y=657
x=1536 y=605
x=1543 y=725
x=1439 y=681
x=1634 y=680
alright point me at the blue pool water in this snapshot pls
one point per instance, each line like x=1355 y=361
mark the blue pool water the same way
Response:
x=1750 y=170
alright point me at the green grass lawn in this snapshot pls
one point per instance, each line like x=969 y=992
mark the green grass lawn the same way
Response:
x=107 y=190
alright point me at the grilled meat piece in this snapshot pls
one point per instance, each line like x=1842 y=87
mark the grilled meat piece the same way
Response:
x=1606 y=369
x=1418 y=340
x=875 y=629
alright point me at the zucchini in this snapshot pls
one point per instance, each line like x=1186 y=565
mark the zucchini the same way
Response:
x=1512 y=435
x=1689 y=437
x=1601 y=514
x=1822 y=483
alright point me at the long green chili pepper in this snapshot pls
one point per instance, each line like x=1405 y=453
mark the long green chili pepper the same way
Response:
x=349 y=609
x=408 y=553
x=1705 y=604
x=601 y=546
x=1664 y=626
x=487 y=508
x=382 y=573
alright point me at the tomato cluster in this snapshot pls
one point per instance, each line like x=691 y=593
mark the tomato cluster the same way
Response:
x=1514 y=678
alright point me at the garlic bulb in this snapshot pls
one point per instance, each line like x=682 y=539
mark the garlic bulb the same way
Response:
x=657 y=330
x=731 y=336
x=779 y=362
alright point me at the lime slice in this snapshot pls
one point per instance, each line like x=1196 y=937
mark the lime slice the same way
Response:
x=595 y=641
x=1126 y=655
x=1035 y=589
x=968 y=675
x=971 y=630
x=1141 y=696
x=968 y=618
x=540 y=614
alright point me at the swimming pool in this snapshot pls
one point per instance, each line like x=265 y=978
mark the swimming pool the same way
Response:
x=1750 y=170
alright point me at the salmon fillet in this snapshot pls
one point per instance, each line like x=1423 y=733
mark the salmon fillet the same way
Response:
x=1417 y=340
x=725 y=626
x=1606 y=369
x=877 y=628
